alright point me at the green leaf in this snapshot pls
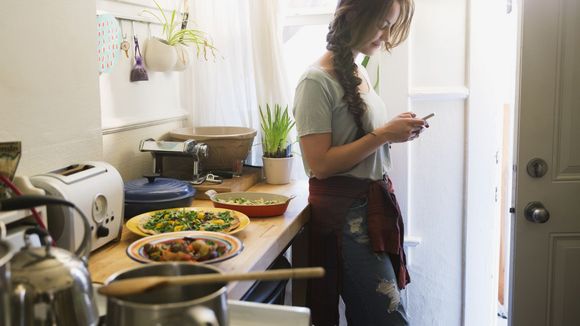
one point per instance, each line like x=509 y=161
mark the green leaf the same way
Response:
x=174 y=35
x=376 y=85
x=276 y=125
x=365 y=61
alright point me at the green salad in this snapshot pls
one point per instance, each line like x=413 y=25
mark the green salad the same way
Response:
x=189 y=220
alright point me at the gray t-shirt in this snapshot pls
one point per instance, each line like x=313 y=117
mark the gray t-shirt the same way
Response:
x=319 y=108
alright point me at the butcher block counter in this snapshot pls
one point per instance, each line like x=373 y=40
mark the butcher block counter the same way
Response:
x=264 y=239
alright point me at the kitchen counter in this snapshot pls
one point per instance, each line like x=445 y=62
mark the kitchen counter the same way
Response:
x=264 y=240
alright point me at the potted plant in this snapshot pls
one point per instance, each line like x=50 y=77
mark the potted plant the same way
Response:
x=276 y=125
x=171 y=51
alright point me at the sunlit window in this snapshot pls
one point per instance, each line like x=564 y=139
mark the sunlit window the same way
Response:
x=305 y=29
x=312 y=5
x=304 y=36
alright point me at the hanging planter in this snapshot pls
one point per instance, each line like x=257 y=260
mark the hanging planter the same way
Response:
x=171 y=51
x=159 y=56
x=183 y=57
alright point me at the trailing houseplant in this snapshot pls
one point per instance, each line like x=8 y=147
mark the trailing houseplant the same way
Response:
x=276 y=125
x=171 y=50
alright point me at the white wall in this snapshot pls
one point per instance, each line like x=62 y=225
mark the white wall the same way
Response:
x=430 y=75
x=122 y=148
x=488 y=82
x=48 y=83
x=128 y=103
x=54 y=101
x=132 y=111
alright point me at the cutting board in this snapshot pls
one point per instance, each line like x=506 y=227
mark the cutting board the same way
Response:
x=250 y=176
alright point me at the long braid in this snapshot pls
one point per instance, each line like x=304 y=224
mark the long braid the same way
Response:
x=354 y=21
x=345 y=69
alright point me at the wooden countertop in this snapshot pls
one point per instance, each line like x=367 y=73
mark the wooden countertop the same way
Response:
x=264 y=239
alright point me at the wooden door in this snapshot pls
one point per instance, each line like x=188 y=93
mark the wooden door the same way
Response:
x=546 y=248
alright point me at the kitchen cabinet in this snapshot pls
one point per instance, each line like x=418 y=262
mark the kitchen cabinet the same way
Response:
x=264 y=239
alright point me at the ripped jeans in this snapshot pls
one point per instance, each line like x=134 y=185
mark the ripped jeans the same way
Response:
x=369 y=289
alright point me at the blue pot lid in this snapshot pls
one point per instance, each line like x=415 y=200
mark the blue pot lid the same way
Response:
x=155 y=189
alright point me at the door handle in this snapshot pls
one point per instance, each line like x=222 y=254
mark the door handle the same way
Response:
x=535 y=212
x=537 y=168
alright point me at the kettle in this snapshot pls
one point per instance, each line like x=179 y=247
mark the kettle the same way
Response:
x=50 y=286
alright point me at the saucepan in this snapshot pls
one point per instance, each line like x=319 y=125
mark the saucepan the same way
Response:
x=253 y=204
x=197 y=304
x=179 y=293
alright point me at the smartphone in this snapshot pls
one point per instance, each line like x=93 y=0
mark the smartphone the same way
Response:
x=428 y=116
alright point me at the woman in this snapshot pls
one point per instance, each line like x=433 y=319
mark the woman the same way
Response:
x=356 y=226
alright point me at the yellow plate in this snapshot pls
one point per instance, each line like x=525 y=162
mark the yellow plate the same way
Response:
x=132 y=224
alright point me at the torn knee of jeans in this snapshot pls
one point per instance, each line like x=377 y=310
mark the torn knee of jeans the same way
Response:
x=390 y=289
x=355 y=225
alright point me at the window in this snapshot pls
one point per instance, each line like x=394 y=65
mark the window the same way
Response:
x=305 y=29
x=304 y=37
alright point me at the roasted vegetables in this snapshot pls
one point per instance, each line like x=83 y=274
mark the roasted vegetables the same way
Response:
x=185 y=249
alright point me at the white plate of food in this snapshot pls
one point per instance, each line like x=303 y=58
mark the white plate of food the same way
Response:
x=186 y=246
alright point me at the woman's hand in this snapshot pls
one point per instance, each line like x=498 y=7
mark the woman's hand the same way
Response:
x=326 y=160
x=402 y=128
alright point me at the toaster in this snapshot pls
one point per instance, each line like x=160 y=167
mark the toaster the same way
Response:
x=96 y=188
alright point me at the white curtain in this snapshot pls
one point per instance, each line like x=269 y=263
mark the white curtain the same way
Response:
x=248 y=68
x=220 y=90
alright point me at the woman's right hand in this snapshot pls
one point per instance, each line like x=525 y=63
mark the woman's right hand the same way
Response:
x=402 y=128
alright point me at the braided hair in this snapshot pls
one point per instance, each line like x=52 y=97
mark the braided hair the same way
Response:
x=355 y=21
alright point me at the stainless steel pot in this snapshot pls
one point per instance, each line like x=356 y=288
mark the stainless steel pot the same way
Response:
x=5 y=256
x=201 y=304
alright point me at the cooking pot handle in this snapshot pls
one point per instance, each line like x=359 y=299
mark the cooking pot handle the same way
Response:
x=202 y=316
x=211 y=194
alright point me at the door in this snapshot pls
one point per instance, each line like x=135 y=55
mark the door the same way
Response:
x=546 y=256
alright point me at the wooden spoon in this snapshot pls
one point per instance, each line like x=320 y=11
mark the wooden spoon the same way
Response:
x=130 y=286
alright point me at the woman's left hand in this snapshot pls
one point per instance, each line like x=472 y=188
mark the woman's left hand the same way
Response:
x=418 y=130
